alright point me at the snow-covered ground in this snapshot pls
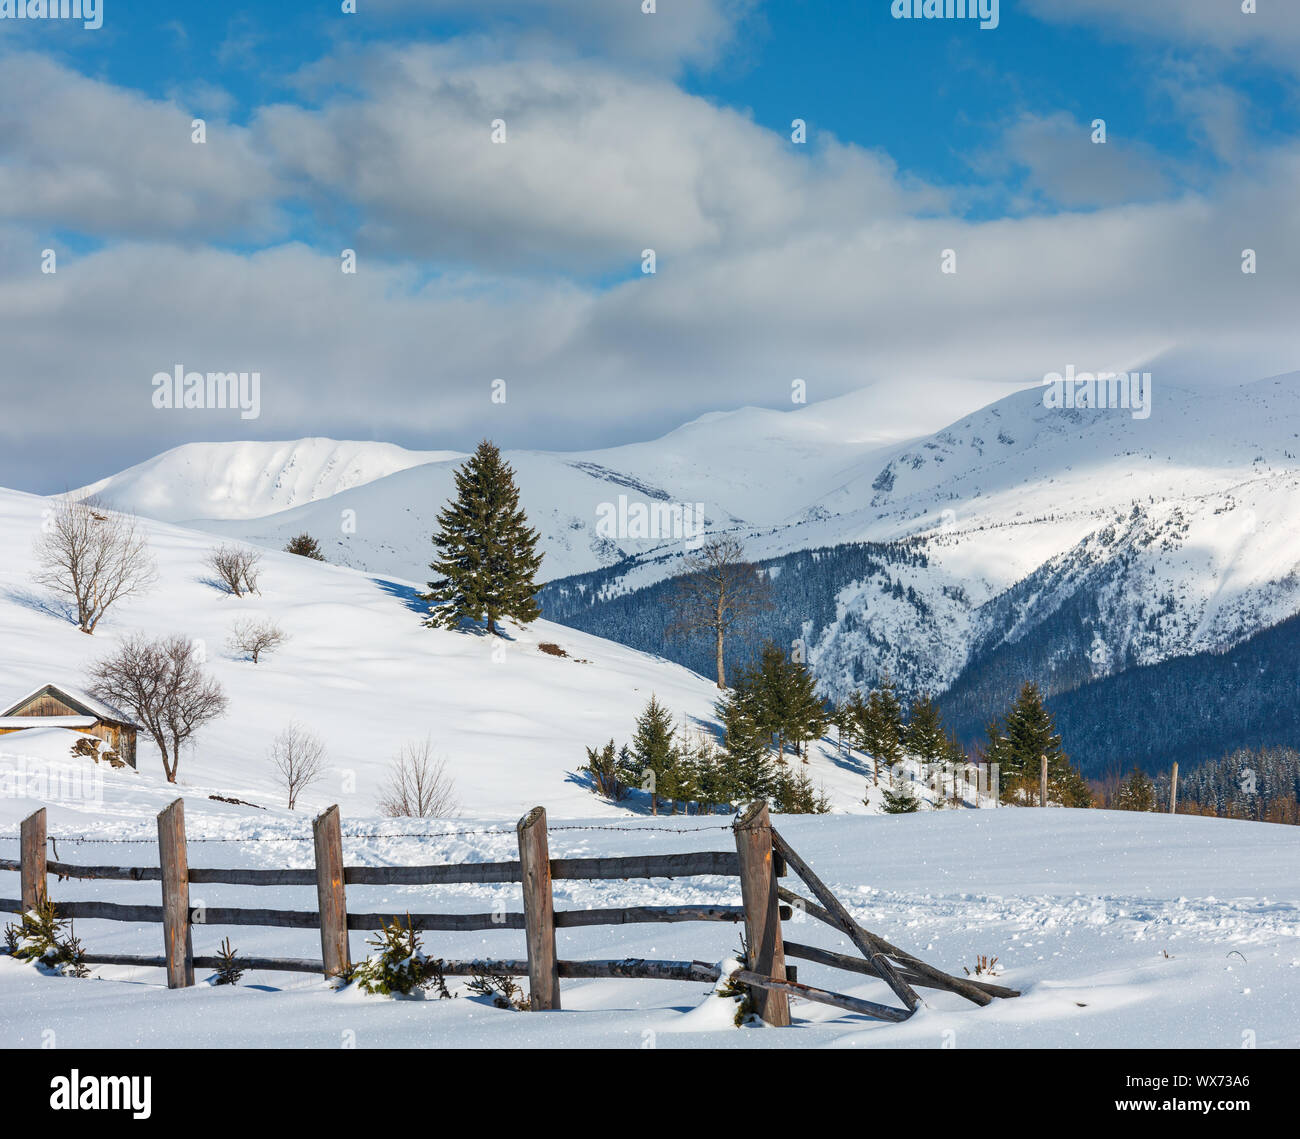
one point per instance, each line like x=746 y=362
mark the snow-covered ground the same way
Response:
x=360 y=671
x=1120 y=929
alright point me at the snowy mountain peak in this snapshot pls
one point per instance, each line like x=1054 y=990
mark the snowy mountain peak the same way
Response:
x=243 y=480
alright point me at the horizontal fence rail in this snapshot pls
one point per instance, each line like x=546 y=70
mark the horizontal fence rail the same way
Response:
x=760 y=858
x=715 y=862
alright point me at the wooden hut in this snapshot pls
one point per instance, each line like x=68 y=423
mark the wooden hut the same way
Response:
x=57 y=706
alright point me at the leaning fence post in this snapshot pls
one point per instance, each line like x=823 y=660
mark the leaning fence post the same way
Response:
x=1173 y=791
x=178 y=943
x=330 y=897
x=32 y=844
x=539 y=911
x=1042 y=783
x=758 y=891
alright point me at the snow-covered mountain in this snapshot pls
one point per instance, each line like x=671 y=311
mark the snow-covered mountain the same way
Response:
x=250 y=480
x=1085 y=540
x=372 y=505
x=1155 y=538
x=1048 y=544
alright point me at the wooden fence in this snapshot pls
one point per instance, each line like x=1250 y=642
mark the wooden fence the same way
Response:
x=761 y=857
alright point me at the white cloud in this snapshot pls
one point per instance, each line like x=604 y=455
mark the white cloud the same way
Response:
x=1063 y=165
x=83 y=154
x=388 y=354
x=1273 y=29
x=597 y=165
x=776 y=262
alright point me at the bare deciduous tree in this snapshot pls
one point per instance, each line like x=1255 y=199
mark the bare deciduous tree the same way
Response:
x=255 y=637
x=299 y=759
x=163 y=684
x=92 y=556
x=419 y=786
x=237 y=568
x=719 y=592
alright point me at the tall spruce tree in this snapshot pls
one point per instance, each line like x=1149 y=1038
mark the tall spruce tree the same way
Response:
x=808 y=717
x=880 y=730
x=746 y=760
x=780 y=695
x=1029 y=734
x=924 y=735
x=655 y=753
x=487 y=553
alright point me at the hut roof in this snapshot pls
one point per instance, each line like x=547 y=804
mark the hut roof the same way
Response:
x=82 y=702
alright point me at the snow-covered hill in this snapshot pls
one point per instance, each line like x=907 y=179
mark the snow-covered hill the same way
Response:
x=359 y=670
x=362 y=672
x=250 y=480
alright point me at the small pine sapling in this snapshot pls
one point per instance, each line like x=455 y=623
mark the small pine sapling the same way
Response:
x=899 y=799
x=729 y=989
x=39 y=937
x=400 y=967
x=230 y=970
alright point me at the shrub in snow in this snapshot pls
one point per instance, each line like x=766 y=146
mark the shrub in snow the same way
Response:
x=299 y=760
x=255 y=639
x=984 y=966
x=795 y=795
x=730 y=990
x=40 y=937
x=304 y=545
x=236 y=567
x=419 y=786
x=610 y=771
x=501 y=990
x=899 y=799
x=400 y=967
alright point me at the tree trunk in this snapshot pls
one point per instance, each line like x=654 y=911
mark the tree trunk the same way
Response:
x=722 y=676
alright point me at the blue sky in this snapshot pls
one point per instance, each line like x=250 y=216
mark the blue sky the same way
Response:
x=630 y=130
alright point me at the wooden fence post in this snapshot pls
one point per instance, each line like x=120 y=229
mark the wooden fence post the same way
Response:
x=539 y=912
x=178 y=942
x=330 y=897
x=32 y=845
x=1173 y=791
x=758 y=891
x=1042 y=783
